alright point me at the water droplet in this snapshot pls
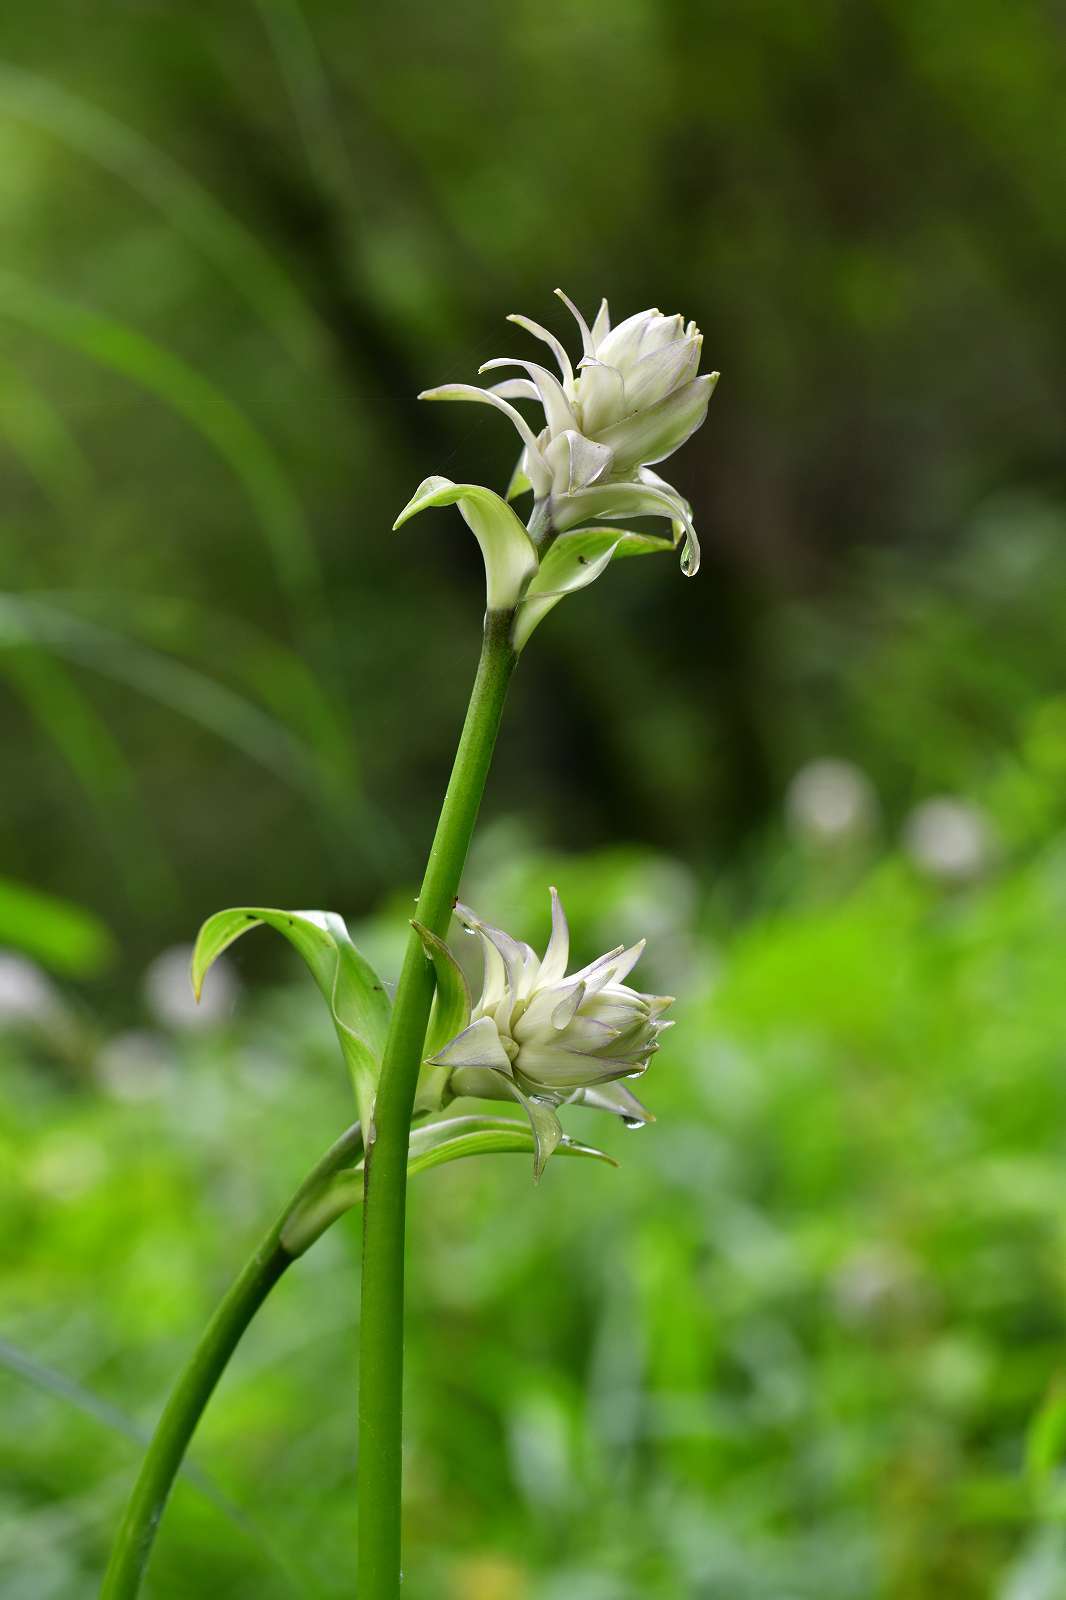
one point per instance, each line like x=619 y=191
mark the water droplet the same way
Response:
x=632 y=1122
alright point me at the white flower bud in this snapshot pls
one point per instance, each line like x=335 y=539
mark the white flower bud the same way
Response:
x=633 y=399
x=545 y=1038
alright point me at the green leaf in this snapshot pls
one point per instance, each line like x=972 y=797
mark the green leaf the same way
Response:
x=458 y=1137
x=1045 y=1441
x=62 y=936
x=574 y=560
x=451 y=1002
x=432 y=1145
x=356 y=997
x=519 y=484
x=508 y=551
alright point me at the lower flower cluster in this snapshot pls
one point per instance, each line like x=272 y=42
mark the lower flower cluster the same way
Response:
x=545 y=1038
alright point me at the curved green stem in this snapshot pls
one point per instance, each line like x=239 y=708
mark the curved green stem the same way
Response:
x=381 y=1323
x=185 y=1406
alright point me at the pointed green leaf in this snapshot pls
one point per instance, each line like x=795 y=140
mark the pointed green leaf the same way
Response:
x=519 y=484
x=1045 y=1440
x=509 y=554
x=458 y=1137
x=574 y=560
x=432 y=1145
x=353 y=991
x=451 y=1002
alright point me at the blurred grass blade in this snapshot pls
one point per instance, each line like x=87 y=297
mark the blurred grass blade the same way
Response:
x=279 y=676
x=59 y=934
x=38 y=435
x=67 y=717
x=193 y=211
x=308 y=88
x=172 y=683
x=52 y=1382
x=115 y=345
x=1045 y=1440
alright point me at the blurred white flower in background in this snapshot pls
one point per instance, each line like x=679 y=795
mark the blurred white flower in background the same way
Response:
x=876 y=1287
x=135 y=1066
x=27 y=995
x=169 y=996
x=830 y=803
x=949 y=840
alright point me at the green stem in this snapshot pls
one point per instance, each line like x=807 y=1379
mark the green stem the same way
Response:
x=185 y=1406
x=381 y=1323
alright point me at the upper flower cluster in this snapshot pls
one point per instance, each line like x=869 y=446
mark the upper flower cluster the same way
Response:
x=633 y=399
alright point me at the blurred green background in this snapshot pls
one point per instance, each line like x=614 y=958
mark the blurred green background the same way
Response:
x=810 y=1341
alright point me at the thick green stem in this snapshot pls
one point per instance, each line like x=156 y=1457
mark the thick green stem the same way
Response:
x=381 y=1327
x=162 y=1462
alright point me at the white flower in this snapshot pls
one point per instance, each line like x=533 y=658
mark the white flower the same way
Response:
x=633 y=399
x=831 y=803
x=949 y=840
x=545 y=1038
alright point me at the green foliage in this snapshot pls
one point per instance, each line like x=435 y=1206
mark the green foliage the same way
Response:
x=807 y=1341
x=432 y=1145
x=66 y=938
x=355 y=995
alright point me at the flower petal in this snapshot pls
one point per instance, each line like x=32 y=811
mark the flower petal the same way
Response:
x=555 y=346
x=509 y=554
x=661 y=372
x=563 y=1014
x=553 y=967
x=602 y=325
x=557 y=412
x=602 y=394
x=621 y=347
x=613 y=1097
x=623 y=966
x=656 y=432
x=556 y=1069
x=642 y=497
x=576 y=460
x=515 y=389
x=586 y=335
x=662 y=331
x=477 y=1046
x=547 y=1129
